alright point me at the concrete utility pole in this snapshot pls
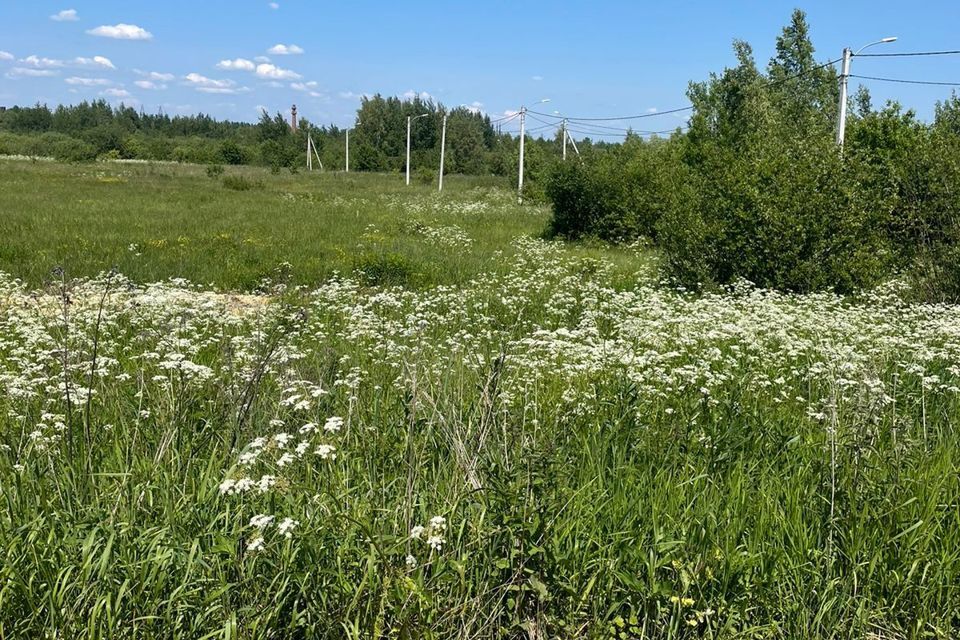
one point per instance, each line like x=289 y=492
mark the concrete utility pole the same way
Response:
x=564 y=139
x=347 y=163
x=844 y=75
x=443 y=148
x=523 y=118
x=410 y=120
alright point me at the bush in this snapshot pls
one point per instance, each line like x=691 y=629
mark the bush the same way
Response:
x=240 y=183
x=380 y=269
x=426 y=175
x=618 y=196
x=73 y=150
x=232 y=153
x=214 y=170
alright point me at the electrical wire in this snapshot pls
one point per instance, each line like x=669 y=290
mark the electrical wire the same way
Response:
x=678 y=109
x=904 y=81
x=906 y=55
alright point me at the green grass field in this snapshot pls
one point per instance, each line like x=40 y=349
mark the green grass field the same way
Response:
x=158 y=221
x=469 y=432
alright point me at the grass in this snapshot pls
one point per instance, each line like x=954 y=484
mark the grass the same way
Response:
x=536 y=443
x=156 y=221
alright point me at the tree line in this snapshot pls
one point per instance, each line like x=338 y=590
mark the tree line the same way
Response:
x=97 y=130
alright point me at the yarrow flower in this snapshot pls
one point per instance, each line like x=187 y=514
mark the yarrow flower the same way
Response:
x=261 y=521
x=326 y=451
x=287 y=526
x=333 y=424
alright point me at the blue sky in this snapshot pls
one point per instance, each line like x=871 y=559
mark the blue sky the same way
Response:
x=592 y=59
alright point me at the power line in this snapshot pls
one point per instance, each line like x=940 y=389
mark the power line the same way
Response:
x=905 y=55
x=634 y=117
x=678 y=109
x=903 y=81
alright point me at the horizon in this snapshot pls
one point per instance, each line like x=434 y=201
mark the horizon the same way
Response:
x=230 y=64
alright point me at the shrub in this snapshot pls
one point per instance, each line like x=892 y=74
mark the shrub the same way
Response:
x=240 y=183
x=214 y=170
x=380 y=269
x=618 y=196
x=232 y=153
x=73 y=150
x=426 y=175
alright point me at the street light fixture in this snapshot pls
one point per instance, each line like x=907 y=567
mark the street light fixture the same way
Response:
x=409 y=120
x=523 y=118
x=844 y=74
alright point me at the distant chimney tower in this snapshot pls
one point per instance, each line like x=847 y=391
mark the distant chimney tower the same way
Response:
x=293 y=118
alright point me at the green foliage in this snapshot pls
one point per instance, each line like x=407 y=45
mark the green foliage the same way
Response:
x=233 y=153
x=426 y=175
x=384 y=269
x=215 y=171
x=758 y=190
x=618 y=196
x=241 y=183
x=73 y=150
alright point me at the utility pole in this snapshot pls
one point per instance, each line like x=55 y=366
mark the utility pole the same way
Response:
x=844 y=74
x=523 y=117
x=408 y=150
x=347 y=166
x=564 y=139
x=443 y=148
x=309 y=157
x=410 y=120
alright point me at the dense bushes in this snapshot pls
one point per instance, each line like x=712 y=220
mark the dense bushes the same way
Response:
x=758 y=189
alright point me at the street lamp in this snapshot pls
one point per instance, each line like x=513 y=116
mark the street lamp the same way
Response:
x=844 y=74
x=523 y=118
x=409 y=120
x=347 y=164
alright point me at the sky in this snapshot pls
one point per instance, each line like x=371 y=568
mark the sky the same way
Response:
x=231 y=58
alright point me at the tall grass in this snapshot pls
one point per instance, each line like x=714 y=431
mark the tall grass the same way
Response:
x=531 y=452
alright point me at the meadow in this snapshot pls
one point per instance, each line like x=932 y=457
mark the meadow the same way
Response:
x=393 y=414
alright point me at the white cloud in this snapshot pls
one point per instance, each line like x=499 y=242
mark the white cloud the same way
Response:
x=273 y=72
x=95 y=61
x=274 y=5
x=209 y=85
x=6 y=55
x=423 y=95
x=42 y=63
x=350 y=95
x=261 y=59
x=33 y=73
x=202 y=81
x=303 y=86
x=240 y=64
x=652 y=110
x=285 y=50
x=116 y=93
x=223 y=90
x=537 y=78
x=67 y=15
x=155 y=76
x=149 y=84
x=121 y=32
x=474 y=107
x=52 y=63
x=87 y=82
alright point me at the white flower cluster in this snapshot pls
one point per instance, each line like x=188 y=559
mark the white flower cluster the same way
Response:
x=432 y=534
